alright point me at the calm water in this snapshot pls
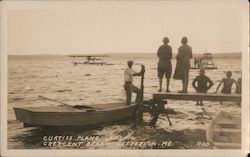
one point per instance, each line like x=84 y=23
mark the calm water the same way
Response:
x=56 y=77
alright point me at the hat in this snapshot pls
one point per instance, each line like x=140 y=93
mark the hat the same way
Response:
x=130 y=62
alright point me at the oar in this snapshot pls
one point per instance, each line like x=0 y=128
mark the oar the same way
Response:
x=43 y=97
x=67 y=105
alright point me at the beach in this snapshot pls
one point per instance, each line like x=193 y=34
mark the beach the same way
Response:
x=58 y=78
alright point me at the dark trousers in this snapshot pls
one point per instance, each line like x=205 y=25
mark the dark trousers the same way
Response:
x=130 y=88
x=138 y=113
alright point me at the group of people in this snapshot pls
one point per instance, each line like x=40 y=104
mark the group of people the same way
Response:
x=201 y=83
x=182 y=65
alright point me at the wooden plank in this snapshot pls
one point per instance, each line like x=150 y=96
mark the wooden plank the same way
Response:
x=198 y=96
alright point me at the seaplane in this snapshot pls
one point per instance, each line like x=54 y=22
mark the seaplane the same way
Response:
x=91 y=59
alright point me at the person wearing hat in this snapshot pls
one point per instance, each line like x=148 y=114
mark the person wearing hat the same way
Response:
x=129 y=73
x=164 y=54
x=202 y=84
x=183 y=64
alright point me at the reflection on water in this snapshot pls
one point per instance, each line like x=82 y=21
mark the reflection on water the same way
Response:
x=58 y=78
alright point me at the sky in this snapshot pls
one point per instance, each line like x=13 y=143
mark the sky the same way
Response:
x=125 y=26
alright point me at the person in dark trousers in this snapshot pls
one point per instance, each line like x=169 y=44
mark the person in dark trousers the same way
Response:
x=164 y=65
x=202 y=84
x=129 y=73
x=183 y=64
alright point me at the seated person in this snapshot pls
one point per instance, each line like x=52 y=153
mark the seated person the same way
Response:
x=202 y=84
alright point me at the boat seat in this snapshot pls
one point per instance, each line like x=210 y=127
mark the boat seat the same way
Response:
x=227 y=130
x=228 y=126
x=226 y=122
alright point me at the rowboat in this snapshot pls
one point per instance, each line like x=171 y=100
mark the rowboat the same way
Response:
x=224 y=131
x=78 y=115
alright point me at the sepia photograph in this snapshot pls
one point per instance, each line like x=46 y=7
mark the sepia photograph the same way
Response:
x=125 y=78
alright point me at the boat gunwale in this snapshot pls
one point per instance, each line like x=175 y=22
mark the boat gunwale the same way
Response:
x=77 y=110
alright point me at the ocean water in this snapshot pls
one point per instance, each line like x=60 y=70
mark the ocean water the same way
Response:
x=58 y=78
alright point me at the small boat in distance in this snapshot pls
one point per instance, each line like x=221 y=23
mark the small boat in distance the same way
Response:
x=91 y=59
x=78 y=115
x=225 y=131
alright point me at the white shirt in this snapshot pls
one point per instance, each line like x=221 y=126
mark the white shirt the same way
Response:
x=128 y=74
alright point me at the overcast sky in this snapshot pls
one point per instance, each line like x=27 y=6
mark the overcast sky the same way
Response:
x=129 y=26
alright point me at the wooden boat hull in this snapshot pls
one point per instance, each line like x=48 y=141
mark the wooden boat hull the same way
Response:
x=70 y=116
x=225 y=131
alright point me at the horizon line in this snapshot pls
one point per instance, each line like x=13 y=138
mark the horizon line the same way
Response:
x=60 y=54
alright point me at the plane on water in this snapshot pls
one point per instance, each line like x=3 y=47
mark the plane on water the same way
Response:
x=91 y=59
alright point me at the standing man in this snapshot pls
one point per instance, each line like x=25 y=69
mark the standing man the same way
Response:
x=164 y=65
x=128 y=86
x=183 y=64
